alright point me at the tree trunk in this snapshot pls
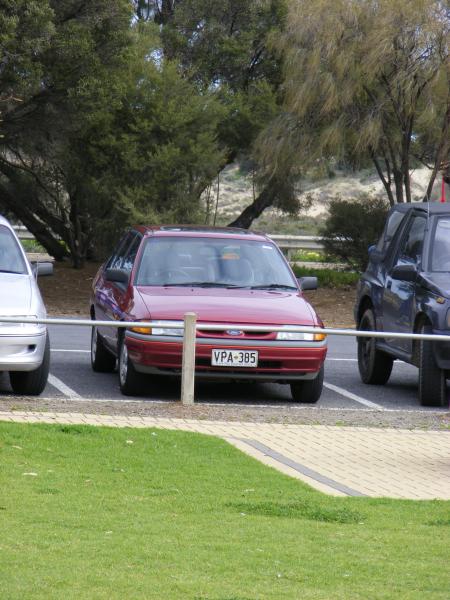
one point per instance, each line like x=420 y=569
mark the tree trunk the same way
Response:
x=265 y=199
x=35 y=226
x=442 y=151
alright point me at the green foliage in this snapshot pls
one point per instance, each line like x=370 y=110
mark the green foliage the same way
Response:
x=31 y=246
x=329 y=278
x=310 y=256
x=353 y=226
x=365 y=80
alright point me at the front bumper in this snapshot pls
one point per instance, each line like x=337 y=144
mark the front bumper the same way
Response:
x=277 y=361
x=22 y=352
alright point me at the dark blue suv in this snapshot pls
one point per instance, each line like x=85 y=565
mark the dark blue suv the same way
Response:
x=406 y=289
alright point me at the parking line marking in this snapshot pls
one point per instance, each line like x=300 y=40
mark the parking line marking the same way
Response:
x=343 y=359
x=79 y=351
x=354 y=397
x=62 y=387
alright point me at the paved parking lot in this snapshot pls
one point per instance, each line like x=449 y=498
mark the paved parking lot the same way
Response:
x=72 y=378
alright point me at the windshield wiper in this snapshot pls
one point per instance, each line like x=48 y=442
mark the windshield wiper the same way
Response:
x=205 y=284
x=273 y=286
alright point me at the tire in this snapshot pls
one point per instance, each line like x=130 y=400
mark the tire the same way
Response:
x=432 y=380
x=102 y=361
x=131 y=382
x=308 y=391
x=32 y=383
x=375 y=366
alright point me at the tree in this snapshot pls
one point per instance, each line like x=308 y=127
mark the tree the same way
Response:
x=58 y=71
x=223 y=46
x=107 y=132
x=366 y=79
x=158 y=151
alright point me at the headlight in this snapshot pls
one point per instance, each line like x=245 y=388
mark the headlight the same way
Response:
x=162 y=328
x=291 y=336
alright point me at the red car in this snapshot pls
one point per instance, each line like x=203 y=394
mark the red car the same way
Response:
x=224 y=275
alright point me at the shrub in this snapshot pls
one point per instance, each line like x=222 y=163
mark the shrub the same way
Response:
x=329 y=278
x=352 y=226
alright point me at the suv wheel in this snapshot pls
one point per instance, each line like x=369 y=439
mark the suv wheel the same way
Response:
x=432 y=381
x=375 y=366
x=309 y=390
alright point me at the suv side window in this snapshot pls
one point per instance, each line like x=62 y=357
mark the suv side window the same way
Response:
x=412 y=244
x=393 y=223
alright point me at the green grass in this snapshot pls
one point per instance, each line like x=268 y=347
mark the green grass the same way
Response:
x=31 y=245
x=178 y=515
x=329 y=277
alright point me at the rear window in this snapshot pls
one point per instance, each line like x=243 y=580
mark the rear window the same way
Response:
x=11 y=257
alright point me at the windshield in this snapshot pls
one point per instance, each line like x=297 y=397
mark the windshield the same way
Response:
x=213 y=262
x=11 y=259
x=440 y=253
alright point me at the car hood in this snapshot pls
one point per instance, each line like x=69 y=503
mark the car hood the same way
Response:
x=16 y=296
x=228 y=306
x=438 y=283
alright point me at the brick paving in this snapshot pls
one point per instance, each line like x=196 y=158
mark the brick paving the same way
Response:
x=363 y=461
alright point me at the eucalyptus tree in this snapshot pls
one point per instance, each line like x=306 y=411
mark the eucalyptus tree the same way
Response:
x=366 y=79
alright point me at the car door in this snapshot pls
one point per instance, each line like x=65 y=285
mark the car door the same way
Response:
x=122 y=293
x=107 y=294
x=399 y=298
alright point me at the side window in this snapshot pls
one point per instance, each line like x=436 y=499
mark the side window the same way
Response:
x=130 y=256
x=412 y=244
x=115 y=262
x=392 y=224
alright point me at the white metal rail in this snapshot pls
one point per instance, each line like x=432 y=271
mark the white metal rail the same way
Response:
x=190 y=325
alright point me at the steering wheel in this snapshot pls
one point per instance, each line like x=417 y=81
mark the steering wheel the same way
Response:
x=176 y=275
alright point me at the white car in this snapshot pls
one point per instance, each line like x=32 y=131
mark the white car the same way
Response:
x=24 y=347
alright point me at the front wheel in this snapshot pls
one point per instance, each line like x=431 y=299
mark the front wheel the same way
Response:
x=130 y=381
x=374 y=366
x=432 y=381
x=308 y=390
x=102 y=361
x=32 y=383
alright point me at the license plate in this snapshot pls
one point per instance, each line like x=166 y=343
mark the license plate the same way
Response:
x=234 y=358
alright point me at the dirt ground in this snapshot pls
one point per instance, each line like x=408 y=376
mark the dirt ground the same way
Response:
x=66 y=293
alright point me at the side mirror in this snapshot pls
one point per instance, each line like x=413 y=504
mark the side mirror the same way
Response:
x=407 y=272
x=117 y=276
x=41 y=269
x=307 y=283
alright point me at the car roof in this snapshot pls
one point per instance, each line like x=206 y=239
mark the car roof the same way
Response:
x=200 y=231
x=429 y=208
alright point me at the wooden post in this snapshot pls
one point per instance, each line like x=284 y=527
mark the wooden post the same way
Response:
x=188 y=364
